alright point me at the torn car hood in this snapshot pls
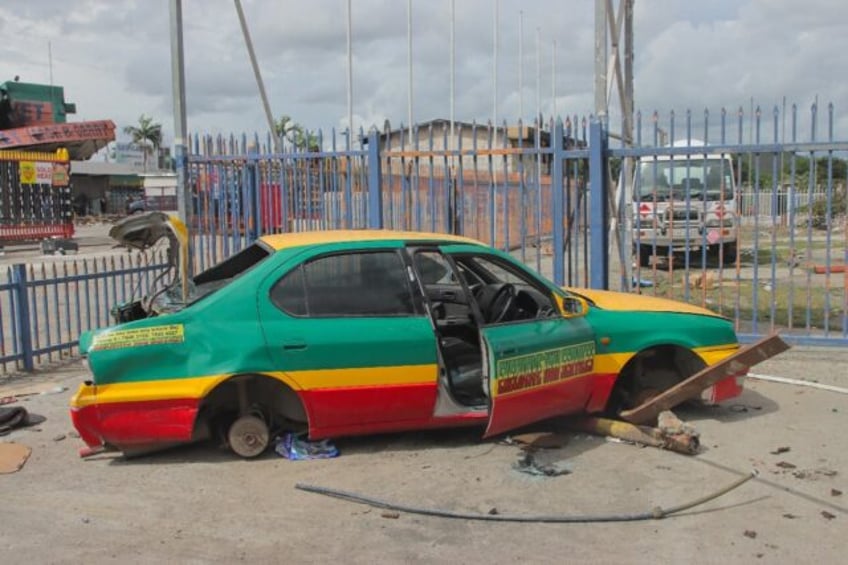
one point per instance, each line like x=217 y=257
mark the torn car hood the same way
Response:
x=611 y=300
x=142 y=231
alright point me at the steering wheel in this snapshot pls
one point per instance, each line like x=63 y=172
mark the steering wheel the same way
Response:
x=501 y=303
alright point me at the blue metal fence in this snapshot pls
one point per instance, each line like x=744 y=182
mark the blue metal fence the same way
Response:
x=45 y=308
x=765 y=246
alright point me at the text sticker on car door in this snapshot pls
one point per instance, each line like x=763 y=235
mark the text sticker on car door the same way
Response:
x=525 y=372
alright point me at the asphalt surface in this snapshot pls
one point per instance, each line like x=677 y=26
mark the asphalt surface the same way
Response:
x=200 y=504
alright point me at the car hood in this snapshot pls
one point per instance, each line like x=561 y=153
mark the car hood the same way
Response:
x=143 y=231
x=611 y=300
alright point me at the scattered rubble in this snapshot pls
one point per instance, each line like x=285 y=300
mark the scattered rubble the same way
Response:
x=780 y=450
x=678 y=436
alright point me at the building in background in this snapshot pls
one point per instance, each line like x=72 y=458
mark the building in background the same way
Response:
x=33 y=117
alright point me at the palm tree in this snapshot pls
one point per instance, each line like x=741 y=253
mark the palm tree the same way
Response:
x=286 y=128
x=147 y=132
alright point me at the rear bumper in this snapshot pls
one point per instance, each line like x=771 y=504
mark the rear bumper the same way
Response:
x=129 y=424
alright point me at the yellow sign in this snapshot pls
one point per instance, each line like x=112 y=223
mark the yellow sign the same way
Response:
x=28 y=172
x=173 y=333
x=518 y=374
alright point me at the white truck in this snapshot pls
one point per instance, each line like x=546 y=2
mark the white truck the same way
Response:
x=685 y=203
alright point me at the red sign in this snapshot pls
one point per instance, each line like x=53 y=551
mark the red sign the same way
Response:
x=102 y=130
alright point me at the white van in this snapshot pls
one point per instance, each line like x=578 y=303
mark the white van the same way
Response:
x=685 y=203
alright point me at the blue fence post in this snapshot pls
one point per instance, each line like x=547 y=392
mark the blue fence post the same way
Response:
x=22 y=321
x=558 y=146
x=598 y=208
x=375 y=196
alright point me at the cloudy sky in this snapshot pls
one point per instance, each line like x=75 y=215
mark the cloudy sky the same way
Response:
x=113 y=58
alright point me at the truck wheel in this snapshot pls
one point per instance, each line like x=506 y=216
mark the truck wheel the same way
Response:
x=645 y=253
x=248 y=436
x=730 y=251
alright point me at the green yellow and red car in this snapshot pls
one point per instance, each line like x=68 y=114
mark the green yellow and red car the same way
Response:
x=340 y=333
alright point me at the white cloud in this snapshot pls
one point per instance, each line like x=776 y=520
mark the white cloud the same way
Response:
x=113 y=58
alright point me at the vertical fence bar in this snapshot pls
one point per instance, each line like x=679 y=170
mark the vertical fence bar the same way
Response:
x=557 y=203
x=22 y=318
x=375 y=198
x=599 y=213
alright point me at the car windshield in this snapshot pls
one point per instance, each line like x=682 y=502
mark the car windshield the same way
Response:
x=701 y=179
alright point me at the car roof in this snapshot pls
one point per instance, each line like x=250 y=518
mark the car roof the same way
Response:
x=299 y=239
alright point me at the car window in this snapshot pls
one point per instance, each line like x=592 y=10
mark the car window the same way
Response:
x=434 y=268
x=492 y=271
x=350 y=284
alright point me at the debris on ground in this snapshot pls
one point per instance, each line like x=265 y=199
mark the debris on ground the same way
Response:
x=780 y=450
x=827 y=515
x=293 y=446
x=17 y=417
x=785 y=465
x=835 y=492
x=12 y=457
x=674 y=428
x=529 y=464
x=790 y=516
x=750 y=534
x=540 y=440
x=685 y=441
x=392 y=515
x=59 y=437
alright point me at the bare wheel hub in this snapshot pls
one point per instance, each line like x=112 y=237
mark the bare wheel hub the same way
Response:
x=248 y=436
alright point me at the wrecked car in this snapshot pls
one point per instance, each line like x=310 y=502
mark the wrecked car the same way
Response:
x=339 y=333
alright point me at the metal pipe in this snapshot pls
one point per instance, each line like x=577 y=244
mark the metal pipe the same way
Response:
x=409 y=65
x=520 y=65
x=178 y=90
x=256 y=73
x=349 y=73
x=452 y=73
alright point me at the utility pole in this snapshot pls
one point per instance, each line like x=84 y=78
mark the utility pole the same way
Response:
x=184 y=208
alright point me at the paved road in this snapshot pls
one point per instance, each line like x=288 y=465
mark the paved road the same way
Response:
x=199 y=504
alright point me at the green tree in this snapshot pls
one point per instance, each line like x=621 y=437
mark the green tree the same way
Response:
x=286 y=128
x=147 y=133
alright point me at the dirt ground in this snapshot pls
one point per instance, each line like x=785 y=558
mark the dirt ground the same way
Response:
x=200 y=504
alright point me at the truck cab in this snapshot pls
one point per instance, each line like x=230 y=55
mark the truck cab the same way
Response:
x=685 y=203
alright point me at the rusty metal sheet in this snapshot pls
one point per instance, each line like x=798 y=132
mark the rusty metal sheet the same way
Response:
x=735 y=365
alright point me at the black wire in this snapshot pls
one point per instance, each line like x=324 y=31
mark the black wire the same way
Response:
x=654 y=514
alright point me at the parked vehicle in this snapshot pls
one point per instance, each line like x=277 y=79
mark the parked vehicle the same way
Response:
x=137 y=206
x=685 y=203
x=339 y=333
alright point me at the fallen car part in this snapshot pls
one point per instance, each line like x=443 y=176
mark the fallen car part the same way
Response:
x=798 y=382
x=655 y=513
x=686 y=443
x=735 y=365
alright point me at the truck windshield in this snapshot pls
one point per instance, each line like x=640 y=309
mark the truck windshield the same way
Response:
x=710 y=179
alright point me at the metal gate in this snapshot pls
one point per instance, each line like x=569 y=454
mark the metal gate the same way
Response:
x=752 y=224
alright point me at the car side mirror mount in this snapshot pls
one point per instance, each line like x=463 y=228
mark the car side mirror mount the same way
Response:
x=574 y=306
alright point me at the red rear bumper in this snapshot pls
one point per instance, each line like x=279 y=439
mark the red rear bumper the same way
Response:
x=128 y=424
